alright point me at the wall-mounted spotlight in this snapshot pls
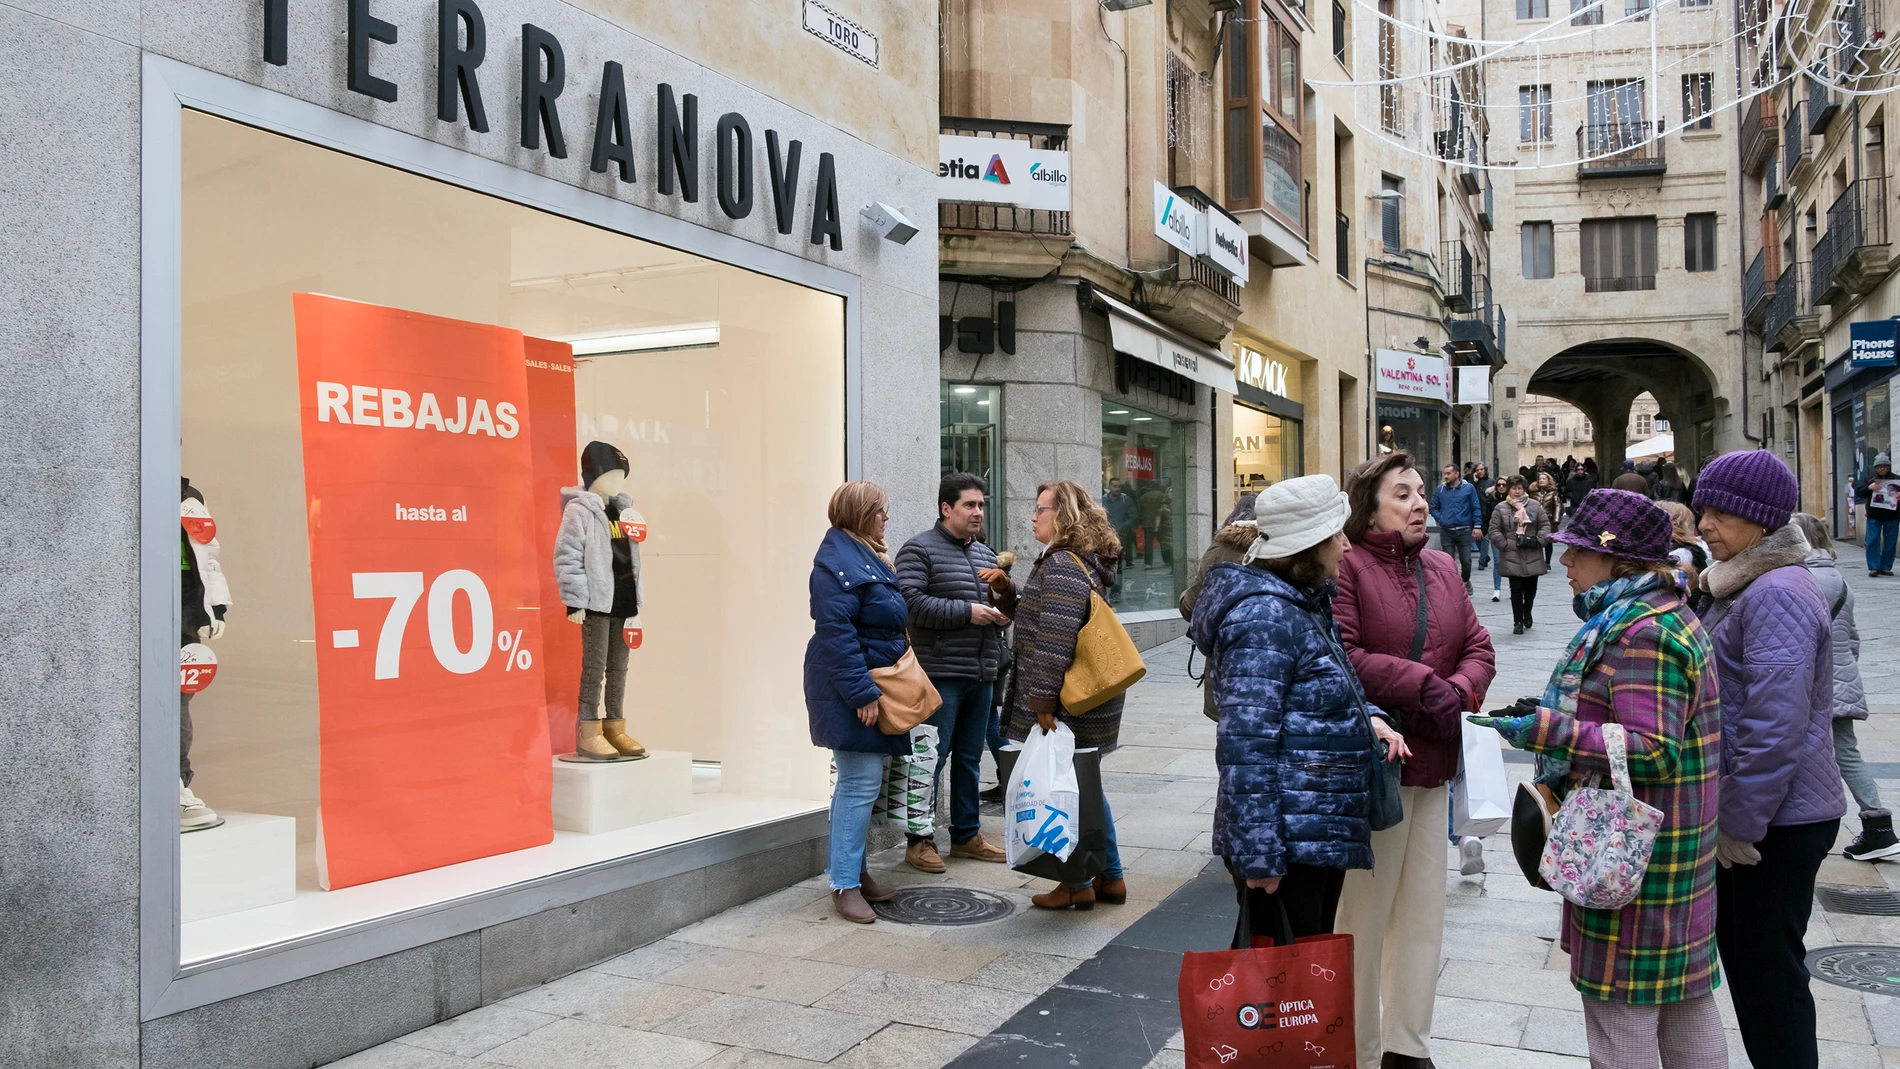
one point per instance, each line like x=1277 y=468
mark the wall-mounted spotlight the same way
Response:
x=1124 y=5
x=887 y=221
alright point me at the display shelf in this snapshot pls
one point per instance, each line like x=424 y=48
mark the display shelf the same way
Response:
x=596 y=798
x=248 y=861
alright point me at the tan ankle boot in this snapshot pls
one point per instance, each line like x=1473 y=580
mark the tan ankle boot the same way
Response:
x=591 y=745
x=615 y=732
x=852 y=907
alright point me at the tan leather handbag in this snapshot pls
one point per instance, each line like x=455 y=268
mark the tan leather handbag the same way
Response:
x=1106 y=662
x=909 y=698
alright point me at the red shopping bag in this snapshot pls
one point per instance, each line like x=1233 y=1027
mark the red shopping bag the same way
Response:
x=1286 y=1006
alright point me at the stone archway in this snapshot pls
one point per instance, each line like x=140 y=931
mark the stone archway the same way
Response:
x=1603 y=378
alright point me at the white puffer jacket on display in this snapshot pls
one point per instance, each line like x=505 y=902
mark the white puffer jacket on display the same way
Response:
x=584 y=550
x=205 y=556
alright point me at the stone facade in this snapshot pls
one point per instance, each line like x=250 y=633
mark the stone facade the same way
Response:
x=1552 y=428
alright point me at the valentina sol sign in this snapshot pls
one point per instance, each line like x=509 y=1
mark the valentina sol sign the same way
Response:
x=995 y=170
x=1406 y=374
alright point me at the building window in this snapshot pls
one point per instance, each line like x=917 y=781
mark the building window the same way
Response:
x=1636 y=9
x=1693 y=3
x=1510 y=392
x=1645 y=425
x=1264 y=91
x=1587 y=12
x=1238 y=104
x=1339 y=34
x=1698 y=108
x=1540 y=260
x=1698 y=232
x=1614 y=118
x=1533 y=112
x=1618 y=254
x=1547 y=427
x=1533 y=9
x=1391 y=117
x=1589 y=432
x=1391 y=197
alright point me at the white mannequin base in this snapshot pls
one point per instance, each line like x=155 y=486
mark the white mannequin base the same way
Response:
x=248 y=861
x=594 y=798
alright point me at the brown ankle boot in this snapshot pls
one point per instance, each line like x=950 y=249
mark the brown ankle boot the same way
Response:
x=852 y=907
x=1113 y=892
x=1066 y=897
x=615 y=732
x=591 y=745
x=873 y=890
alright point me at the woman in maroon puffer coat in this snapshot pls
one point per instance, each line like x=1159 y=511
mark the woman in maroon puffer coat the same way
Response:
x=1396 y=911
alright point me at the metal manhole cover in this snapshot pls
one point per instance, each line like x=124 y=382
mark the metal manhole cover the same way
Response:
x=1867 y=903
x=944 y=906
x=1861 y=968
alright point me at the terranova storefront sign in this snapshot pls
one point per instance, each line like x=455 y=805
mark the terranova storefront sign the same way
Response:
x=995 y=170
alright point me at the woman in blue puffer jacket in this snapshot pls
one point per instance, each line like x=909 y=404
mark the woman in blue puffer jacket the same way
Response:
x=858 y=616
x=1295 y=737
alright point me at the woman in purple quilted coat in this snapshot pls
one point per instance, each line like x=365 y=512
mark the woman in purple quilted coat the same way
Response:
x=1780 y=793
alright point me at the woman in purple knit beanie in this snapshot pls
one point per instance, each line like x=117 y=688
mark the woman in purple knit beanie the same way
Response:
x=1780 y=800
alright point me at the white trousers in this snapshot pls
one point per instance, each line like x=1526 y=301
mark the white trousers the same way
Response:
x=1396 y=917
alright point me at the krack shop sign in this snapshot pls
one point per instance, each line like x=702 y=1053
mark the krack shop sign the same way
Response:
x=462 y=44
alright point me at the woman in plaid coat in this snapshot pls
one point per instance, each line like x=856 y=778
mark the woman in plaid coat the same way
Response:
x=1646 y=971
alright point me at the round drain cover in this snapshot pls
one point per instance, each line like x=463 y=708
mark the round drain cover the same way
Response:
x=946 y=906
x=1862 y=968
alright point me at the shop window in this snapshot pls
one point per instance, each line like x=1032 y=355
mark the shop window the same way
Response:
x=971 y=440
x=1145 y=490
x=1533 y=112
x=1698 y=232
x=1266 y=449
x=1538 y=253
x=1618 y=255
x=392 y=398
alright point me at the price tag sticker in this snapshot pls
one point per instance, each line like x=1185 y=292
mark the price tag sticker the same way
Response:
x=632 y=633
x=633 y=525
x=200 y=529
x=197 y=667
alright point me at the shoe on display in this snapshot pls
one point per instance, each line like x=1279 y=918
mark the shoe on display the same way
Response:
x=615 y=732
x=874 y=891
x=193 y=814
x=1876 y=840
x=590 y=742
x=922 y=856
x=1470 y=856
x=852 y=906
x=978 y=849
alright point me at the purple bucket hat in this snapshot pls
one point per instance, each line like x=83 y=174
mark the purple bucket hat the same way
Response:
x=1621 y=524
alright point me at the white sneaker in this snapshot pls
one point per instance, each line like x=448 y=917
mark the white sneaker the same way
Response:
x=1494 y=596
x=192 y=813
x=1470 y=856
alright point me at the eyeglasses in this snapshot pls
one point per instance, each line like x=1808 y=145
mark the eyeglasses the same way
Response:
x=1040 y=509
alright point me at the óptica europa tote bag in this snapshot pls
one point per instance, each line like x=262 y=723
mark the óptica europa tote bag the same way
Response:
x=1106 y=662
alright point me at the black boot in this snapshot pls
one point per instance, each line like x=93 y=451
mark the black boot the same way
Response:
x=1875 y=842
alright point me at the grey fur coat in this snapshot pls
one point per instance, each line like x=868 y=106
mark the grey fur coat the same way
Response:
x=1850 y=698
x=584 y=551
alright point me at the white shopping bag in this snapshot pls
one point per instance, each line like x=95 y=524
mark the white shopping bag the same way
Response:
x=1480 y=796
x=1043 y=803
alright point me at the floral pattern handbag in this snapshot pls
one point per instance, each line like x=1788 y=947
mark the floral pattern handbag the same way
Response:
x=1600 y=840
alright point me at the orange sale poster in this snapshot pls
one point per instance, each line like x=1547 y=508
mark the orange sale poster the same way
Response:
x=425 y=581
x=556 y=464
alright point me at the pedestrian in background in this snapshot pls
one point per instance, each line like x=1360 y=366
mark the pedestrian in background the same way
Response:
x=1498 y=492
x=1876 y=839
x=960 y=603
x=1647 y=971
x=858 y=616
x=1481 y=478
x=1229 y=546
x=1423 y=657
x=1519 y=530
x=1078 y=555
x=1579 y=483
x=1294 y=741
x=1155 y=518
x=1880 y=492
x=1630 y=480
x=1780 y=791
x=1459 y=512
x=1124 y=514
x=1546 y=492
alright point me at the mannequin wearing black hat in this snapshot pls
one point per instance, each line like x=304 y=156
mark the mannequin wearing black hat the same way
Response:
x=597 y=567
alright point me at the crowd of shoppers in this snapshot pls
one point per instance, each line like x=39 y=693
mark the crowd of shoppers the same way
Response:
x=1716 y=666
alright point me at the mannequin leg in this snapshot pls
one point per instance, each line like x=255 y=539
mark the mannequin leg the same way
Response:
x=590 y=744
x=184 y=739
x=614 y=726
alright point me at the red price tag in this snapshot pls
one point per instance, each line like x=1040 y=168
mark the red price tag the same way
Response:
x=632 y=634
x=634 y=529
x=197 y=667
x=201 y=529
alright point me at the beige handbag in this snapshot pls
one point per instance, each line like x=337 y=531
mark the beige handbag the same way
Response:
x=1106 y=662
x=909 y=698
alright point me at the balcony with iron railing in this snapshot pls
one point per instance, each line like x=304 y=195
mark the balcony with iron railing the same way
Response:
x=1796 y=160
x=1487 y=208
x=1822 y=289
x=1475 y=329
x=1758 y=290
x=1004 y=218
x=1823 y=105
x=1456 y=267
x=1791 y=321
x=1619 y=150
x=1773 y=194
x=1196 y=271
x=1858 y=224
x=1761 y=132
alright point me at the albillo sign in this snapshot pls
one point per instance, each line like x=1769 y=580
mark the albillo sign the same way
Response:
x=997 y=170
x=1177 y=222
x=461 y=38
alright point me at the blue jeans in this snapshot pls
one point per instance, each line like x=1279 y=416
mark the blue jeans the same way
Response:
x=1881 y=538
x=1114 y=869
x=1484 y=550
x=962 y=729
x=860 y=775
x=1457 y=542
x=1497 y=576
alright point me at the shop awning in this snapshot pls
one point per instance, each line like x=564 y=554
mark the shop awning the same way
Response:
x=1144 y=338
x=1654 y=447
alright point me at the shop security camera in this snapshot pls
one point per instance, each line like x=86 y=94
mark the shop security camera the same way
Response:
x=888 y=222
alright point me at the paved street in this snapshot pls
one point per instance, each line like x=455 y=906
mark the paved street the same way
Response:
x=781 y=983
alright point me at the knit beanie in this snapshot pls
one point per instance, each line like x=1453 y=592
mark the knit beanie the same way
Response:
x=599 y=458
x=1754 y=485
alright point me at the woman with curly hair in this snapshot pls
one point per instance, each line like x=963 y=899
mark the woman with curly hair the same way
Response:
x=1080 y=549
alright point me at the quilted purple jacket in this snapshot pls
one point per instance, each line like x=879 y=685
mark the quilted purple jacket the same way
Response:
x=1774 y=659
